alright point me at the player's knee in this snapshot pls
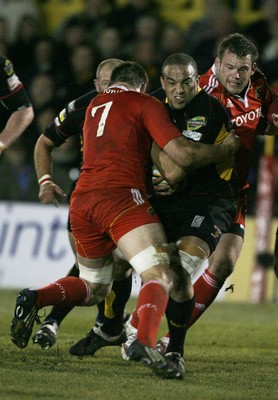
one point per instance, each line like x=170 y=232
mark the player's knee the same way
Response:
x=98 y=293
x=222 y=268
x=152 y=256
x=101 y=275
x=159 y=275
x=189 y=262
x=122 y=268
x=99 y=280
x=182 y=284
x=152 y=263
x=192 y=254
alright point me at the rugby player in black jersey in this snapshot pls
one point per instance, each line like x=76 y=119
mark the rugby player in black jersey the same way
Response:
x=200 y=210
x=14 y=99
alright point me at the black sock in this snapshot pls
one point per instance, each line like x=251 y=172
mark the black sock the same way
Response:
x=178 y=316
x=59 y=313
x=115 y=305
x=100 y=314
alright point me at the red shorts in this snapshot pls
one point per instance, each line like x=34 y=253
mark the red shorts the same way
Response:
x=100 y=218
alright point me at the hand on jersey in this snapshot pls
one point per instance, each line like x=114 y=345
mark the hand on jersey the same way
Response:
x=160 y=185
x=233 y=142
x=51 y=193
x=272 y=115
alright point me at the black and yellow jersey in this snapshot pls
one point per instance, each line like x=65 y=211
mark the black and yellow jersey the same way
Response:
x=70 y=120
x=205 y=120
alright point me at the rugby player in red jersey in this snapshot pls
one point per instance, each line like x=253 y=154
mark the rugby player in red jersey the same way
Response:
x=69 y=122
x=109 y=208
x=242 y=88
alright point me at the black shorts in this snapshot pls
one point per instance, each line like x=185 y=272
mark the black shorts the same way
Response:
x=71 y=190
x=237 y=229
x=206 y=217
x=68 y=224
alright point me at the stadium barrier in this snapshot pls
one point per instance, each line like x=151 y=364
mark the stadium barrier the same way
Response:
x=34 y=251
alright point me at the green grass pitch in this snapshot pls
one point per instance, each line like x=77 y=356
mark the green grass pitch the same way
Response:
x=231 y=353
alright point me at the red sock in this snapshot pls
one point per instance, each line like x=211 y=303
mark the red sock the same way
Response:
x=134 y=319
x=206 y=288
x=64 y=292
x=150 y=309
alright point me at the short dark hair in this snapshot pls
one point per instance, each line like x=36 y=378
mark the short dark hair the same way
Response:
x=239 y=45
x=129 y=72
x=179 y=59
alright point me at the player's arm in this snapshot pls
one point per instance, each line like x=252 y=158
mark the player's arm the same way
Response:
x=166 y=166
x=272 y=117
x=49 y=191
x=189 y=155
x=15 y=99
x=268 y=124
x=15 y=126
x=67 y=123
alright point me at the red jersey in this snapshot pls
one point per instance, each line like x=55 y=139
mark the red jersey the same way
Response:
x=119 y=129
x=245 y=113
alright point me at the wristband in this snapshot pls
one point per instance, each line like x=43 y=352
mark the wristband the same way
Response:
x=44 y=179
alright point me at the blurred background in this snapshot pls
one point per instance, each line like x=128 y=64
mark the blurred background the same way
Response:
x=56 y=45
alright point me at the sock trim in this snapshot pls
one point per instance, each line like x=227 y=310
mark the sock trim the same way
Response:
x=211 y=280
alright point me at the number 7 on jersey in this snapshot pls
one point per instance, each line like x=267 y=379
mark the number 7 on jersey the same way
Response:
x=106 y=108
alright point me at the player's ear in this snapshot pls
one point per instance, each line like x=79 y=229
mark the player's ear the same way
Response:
x=217 y=61
x=162 y=82
x=96 y=85
x=143 y=88
x=254 y=67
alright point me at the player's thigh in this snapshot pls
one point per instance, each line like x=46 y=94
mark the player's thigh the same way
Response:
x=138 y=239
x=226 y=253
x=208 y=219
x=146 y=249
x=90 y=238
x=229 y=246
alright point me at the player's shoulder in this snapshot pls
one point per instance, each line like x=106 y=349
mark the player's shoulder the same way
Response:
x=210 y=103
x=79 y=104
x=142 y=98
x=209 y=78
x=258 y=76
x=206 y=98
x=6 y=66
x=3 y=61
x=210 y=83
x=159 y=94
x=213 y=100
x=84 y=100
